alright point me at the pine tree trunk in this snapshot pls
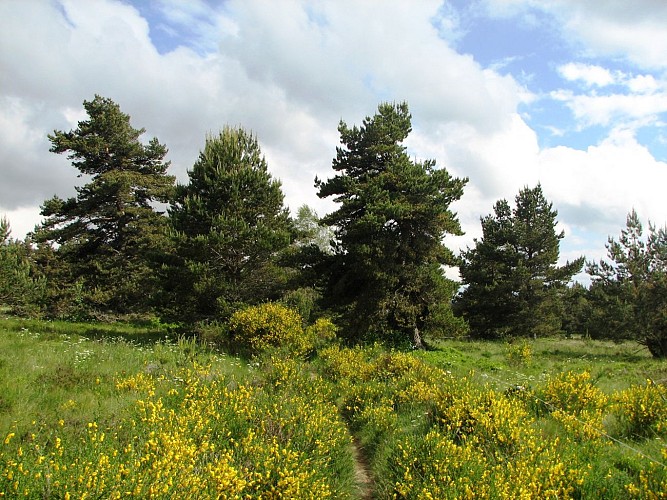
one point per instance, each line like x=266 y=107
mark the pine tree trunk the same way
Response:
x=417 y=339
x=657 y=346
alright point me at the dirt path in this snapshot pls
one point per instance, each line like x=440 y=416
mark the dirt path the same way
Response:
x=362 y=472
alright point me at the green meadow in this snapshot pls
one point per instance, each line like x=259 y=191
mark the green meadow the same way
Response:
x=117 y=410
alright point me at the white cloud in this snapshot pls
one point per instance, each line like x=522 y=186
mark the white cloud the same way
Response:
x=643 y=84
x=589 y=74
x=594 y=189
x=620 y=97
x=21 y=220
x=499 y=164
x=633 y=30
x=596 y=109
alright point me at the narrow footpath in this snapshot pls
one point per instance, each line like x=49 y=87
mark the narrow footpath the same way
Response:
x=362 y=472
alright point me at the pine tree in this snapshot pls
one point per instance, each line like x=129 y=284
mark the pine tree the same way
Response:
x=231 y=224
x=629 y=291
x=385 y=278
x=511 y=279
x=22 y=289
x=109 y=232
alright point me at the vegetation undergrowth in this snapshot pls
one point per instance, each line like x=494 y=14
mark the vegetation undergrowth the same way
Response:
x=170 y=420
x=433 y=432
x=106 y=417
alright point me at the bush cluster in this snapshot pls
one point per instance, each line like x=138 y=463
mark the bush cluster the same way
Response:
x=577 y=404
x=642 y=410
x=255 y=329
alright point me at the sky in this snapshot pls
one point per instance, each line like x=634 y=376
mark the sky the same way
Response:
x=570 y=94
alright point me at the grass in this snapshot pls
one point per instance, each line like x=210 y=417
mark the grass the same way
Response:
x=499 y=421
x=54 y=370
x=125 y=410
x=614 y=366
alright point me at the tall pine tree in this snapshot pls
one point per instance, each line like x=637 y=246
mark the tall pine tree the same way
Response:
x=108 y=232
x=511 y=278
x=385 y=277
x=230 y=224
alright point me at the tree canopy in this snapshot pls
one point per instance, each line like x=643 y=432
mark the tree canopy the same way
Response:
x=385 y=275
x=106 y=231
x=231 y=224
x=629 y=290
x=510 y=276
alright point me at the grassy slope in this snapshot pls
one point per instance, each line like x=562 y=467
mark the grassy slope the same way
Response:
x=56 y=370
x=64 y=372
x=613 y=366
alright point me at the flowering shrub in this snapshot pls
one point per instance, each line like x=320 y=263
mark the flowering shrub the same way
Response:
x=642 y=410
x=321 y=333
x=341 y=364
x=141 y=382
x=519 y=353
x=588 y=425
x=202 y=440
x=257 y=328
x=435 y=467
x=573 y=393
x=490 y=420
x=393 y=365
x=577 y=404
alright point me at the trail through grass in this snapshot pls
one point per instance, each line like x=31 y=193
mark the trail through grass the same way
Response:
x=362 y=472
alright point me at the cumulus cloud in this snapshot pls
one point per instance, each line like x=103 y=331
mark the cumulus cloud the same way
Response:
x=634 y=31
x=643 y=84
x=590 y=74
x=620 y=99
x=594 y=109
x=594 y=189
x=612 y=176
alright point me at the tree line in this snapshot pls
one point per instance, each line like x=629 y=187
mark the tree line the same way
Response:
x=133 y=242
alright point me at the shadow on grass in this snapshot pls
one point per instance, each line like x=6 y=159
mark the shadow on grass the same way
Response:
x=565 y=353
x=141 y=334
x=140 y=337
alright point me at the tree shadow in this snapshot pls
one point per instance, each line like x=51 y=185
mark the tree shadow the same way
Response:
x=564 y=353
x=140 y=338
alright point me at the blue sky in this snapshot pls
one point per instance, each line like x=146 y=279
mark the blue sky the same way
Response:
x=530 y=46
x=508 y=93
